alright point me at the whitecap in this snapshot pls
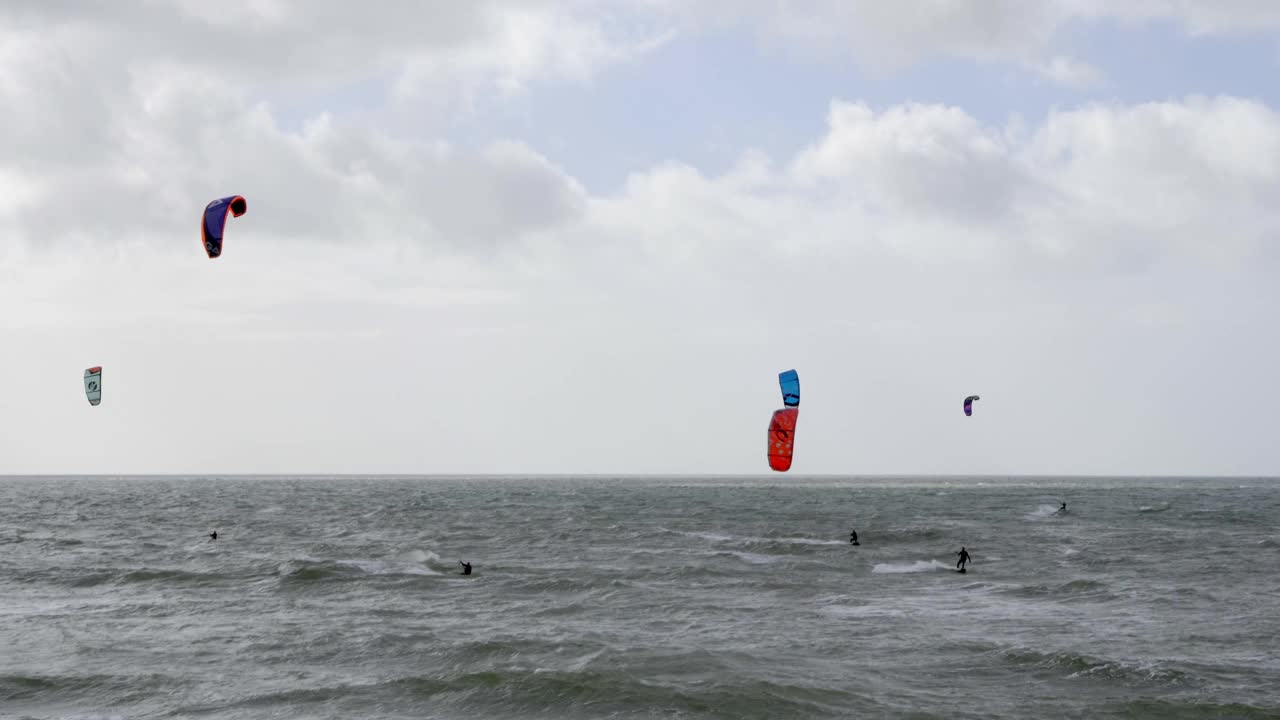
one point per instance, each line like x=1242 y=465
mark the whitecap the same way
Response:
x=915 y=567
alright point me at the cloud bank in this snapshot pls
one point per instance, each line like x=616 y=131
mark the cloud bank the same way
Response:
x=398 y=300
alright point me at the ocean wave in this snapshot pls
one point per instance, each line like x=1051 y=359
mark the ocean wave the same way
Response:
x=168 y=575
x=864 y=611
x=1189 y=710
x=316 y=570
x=59 y=688
x=75 y=577
x=564 y=583
x=781 y=541
x=918 y=566
x=747 y=557
x=1044 y=511
x=796 y=541
x=545 y=692
x=904 y=536
x=1073 y=590
x=762 y=610
x=1073 y=666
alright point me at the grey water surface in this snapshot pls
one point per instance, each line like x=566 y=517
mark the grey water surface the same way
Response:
x=638 y=597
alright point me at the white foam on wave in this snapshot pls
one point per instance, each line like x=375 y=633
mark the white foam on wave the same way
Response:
x=378 y=567
x=421 y=556
x=915 y=567
x=1043 y=511
x=714 y=537
x=802 y=541
x=412 y=562
x=720 y=537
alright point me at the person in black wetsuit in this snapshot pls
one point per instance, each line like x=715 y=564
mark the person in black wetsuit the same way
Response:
x=964 y=558
x=1064 y=507
x=853 y=537
x=466 y=567
x=213 y=535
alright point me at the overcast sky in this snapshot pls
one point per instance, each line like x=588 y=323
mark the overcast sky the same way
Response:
x=585 y=236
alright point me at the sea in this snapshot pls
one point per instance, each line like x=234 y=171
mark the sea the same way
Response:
x=638 y=597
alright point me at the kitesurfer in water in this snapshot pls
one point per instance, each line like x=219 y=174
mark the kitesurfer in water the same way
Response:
x=466 y=567
x=964 y=558
x=1064 y=507
x=213 y=535
x=853 y=537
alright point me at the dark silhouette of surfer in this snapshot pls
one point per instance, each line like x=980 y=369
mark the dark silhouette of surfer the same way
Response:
x=466 y=567
x=1063 y=508
x=213 y=535
x=964 y=558
x=853 y=537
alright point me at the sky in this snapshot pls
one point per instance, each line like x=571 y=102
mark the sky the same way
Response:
x=585 y=236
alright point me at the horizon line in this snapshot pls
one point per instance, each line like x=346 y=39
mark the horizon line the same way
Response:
x=779 y=476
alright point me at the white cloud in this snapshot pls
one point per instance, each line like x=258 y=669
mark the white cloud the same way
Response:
x=1101 y=185
x=523 y=45
x=433 y=54
x=1226 y=16
x=1199 y=176
x=398 y=302
x=889 y=35
x=1071 y=73
x=174 y=141
x=913 y=157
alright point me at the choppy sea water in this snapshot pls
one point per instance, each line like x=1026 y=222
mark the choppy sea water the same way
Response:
x=638 y=598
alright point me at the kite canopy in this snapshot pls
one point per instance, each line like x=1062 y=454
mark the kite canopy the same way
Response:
x=782 y=426
x=93 y=385
x=782 y=432
x=968 y=404
x=215 y=221
x=789 y=381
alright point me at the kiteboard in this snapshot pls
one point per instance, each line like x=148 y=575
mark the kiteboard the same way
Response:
x=960 y=570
